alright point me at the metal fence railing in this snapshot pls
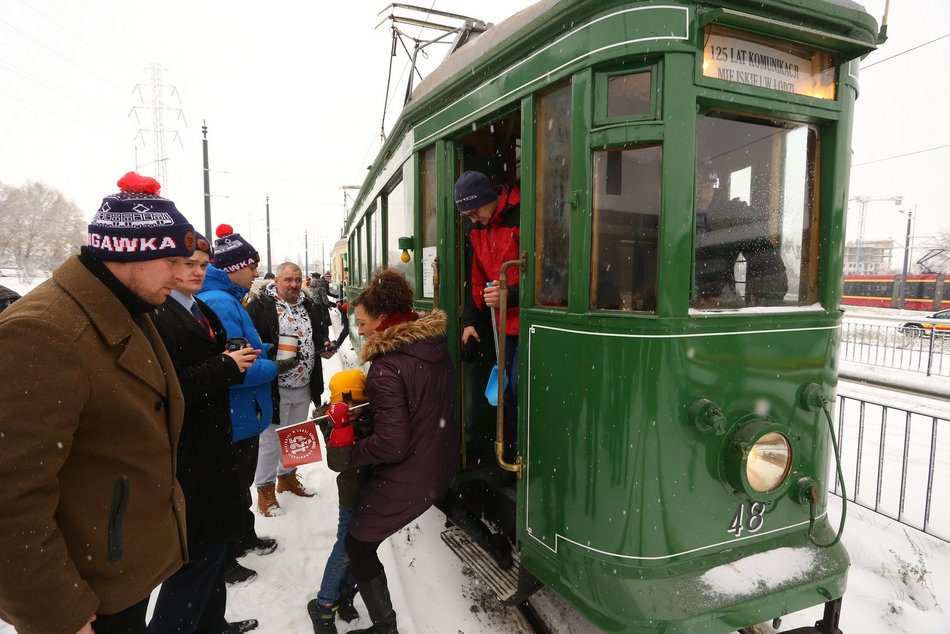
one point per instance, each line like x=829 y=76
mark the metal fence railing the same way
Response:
x=895 y=461
x=890 y=346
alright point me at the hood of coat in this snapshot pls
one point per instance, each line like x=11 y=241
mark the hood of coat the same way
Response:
x=428 y=332
x=218 y=280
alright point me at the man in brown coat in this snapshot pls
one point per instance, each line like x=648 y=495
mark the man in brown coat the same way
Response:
x=93 y=518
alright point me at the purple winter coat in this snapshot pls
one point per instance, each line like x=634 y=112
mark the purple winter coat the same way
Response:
x=414 y=447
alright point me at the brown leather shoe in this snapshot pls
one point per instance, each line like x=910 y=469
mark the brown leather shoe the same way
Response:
x=267 y=500
x=291 y=483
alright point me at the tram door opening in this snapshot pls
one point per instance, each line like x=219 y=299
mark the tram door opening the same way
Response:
x=495 y=150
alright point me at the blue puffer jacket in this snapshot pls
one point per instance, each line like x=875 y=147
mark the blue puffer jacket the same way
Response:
x=251 y=408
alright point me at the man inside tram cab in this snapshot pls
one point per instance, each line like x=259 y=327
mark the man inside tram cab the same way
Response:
x=726 y=229
x=495 y=238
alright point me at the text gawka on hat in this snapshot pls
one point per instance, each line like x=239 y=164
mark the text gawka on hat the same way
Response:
x=232 y=252
x=137 y=224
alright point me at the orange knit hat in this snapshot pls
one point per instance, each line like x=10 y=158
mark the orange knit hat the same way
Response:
x=352 y=382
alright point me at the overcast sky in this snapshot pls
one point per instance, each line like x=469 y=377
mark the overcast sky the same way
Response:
x=293 y=93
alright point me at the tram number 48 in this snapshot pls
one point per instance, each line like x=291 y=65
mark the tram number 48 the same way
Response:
x=749 y=517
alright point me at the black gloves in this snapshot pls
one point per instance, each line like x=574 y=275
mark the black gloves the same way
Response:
x=286 y=365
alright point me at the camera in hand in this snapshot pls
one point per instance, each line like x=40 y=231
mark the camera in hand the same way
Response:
x=235 y=343
x=329 y=348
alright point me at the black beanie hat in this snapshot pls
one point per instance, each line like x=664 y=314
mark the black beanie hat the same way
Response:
x=472 y=190
x=136 y=224
x=231 y=251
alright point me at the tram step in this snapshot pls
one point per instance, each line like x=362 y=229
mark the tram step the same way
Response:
x=504 y=584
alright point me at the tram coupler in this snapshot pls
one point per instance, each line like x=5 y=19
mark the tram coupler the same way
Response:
x=828 y=623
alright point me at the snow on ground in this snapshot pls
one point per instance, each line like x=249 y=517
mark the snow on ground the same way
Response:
x=899 y=580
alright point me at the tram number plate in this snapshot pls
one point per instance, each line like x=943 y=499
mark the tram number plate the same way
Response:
x=749 y=517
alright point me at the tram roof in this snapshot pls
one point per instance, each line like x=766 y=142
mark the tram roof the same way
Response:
x=493 y=41
x=503 y=43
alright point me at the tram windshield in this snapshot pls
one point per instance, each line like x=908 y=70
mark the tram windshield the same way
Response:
x=756 y=214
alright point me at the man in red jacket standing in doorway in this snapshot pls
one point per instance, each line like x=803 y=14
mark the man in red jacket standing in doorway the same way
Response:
x=495 y=238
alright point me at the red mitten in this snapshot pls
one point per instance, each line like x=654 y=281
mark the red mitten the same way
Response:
x=342 y=434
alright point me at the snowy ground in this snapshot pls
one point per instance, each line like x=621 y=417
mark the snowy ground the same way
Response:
x=899 y=580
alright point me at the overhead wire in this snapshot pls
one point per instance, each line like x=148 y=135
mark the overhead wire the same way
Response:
x=52 y=87
x=58 y=114
x=49 y=49
x=109 y=55
x=881 y=61
x=897 y=156
x=387 y=101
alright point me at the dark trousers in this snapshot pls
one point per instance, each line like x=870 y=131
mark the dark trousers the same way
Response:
x=131 y=620
x=193 y=599
x=245 y=463
x=363 y=559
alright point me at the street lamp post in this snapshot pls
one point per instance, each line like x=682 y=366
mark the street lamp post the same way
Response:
x=903 y=293
x=267 y=215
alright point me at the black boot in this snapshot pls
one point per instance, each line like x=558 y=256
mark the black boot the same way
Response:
x=241 y=626
x=375 y=595
x=322 y=617
x=345 y=609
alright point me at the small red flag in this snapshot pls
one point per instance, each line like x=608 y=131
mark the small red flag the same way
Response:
x=299 y=444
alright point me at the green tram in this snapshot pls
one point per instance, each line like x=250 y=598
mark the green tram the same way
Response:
x=676 y=358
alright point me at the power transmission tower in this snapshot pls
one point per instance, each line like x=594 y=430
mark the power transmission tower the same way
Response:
x=156 y=104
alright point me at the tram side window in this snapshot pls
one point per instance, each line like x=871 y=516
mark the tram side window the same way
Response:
x=428 y=202
x=361 y=252
x=375 y=239
x=628 y=95
x=626 y=220
x=553 y=218
x=756 y=214
x=398 y=225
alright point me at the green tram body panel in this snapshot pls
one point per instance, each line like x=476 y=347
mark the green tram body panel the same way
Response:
x=627 y=507
x=624 y=501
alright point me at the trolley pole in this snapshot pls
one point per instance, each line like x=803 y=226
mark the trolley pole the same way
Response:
x=207 y=175
x=267 y=216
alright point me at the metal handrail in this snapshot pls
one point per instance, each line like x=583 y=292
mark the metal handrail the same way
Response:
x=517 y=465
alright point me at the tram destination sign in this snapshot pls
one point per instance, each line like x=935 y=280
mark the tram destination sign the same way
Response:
x=735 y=56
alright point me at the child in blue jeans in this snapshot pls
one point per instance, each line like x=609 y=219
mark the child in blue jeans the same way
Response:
x=347 y=391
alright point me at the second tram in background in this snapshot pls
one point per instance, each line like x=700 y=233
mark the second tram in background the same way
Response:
x=924 y=292
x=683 y=169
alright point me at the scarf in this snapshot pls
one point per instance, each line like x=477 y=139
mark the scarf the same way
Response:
x=397 y=318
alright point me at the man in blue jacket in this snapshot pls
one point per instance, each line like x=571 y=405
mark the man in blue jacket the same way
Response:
x=226 y=283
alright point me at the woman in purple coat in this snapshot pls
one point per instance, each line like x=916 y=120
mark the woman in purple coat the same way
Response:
x=413 y=451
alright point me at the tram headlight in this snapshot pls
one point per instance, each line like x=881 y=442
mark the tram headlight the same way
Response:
x=759 y=458
x=768 y=462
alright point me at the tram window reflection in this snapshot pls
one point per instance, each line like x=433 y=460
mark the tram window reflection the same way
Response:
x=756 y=214
x=429 y=197
x=375 y=231
x=628 y=95
x=553 y=218
x=399 y=224
x=626 y=220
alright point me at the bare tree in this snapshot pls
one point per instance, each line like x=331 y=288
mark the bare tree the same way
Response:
x=39 y=228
